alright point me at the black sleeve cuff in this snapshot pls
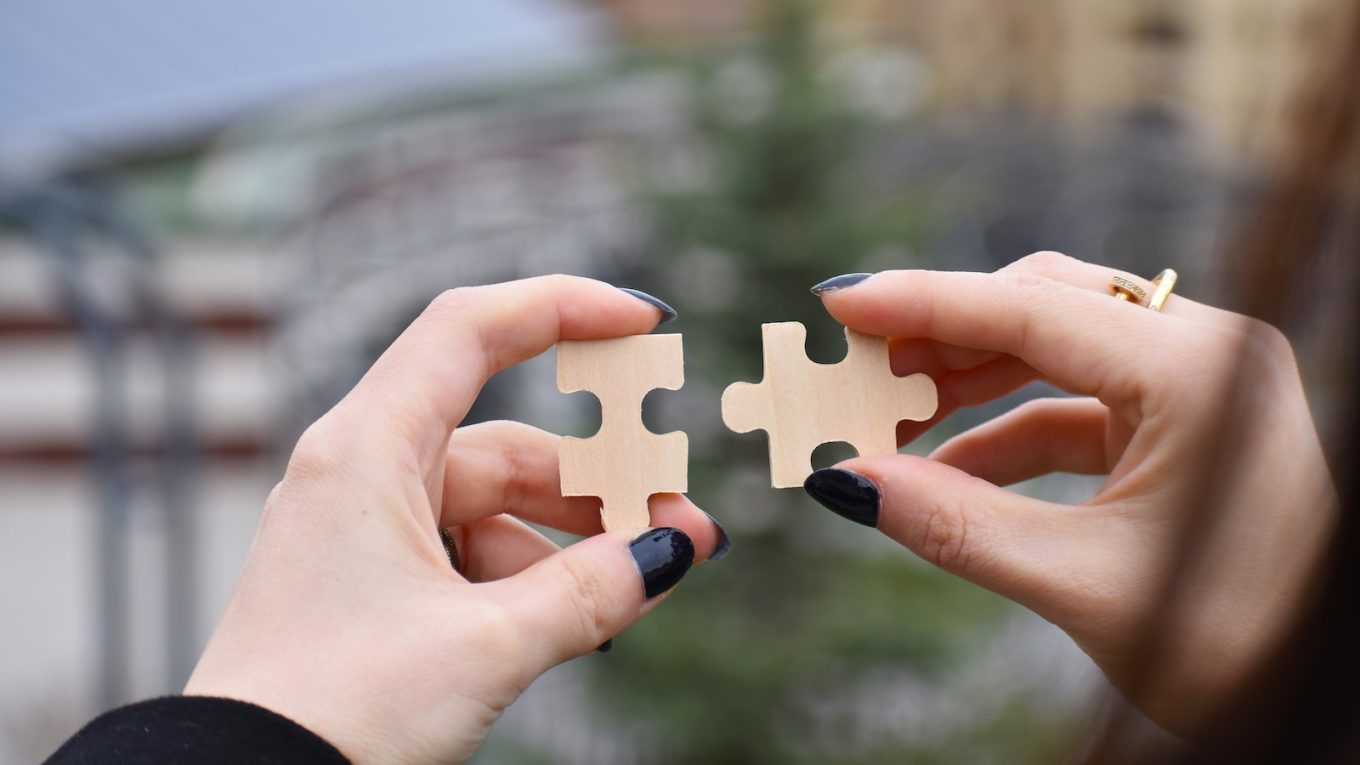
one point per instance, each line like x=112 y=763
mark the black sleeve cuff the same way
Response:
x=194 y=730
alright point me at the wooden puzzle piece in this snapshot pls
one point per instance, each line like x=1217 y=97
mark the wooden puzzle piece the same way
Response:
x=623 y=463
x=802 y=404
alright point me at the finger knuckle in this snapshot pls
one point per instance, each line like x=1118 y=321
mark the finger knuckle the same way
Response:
x=509 y=430
x=1023 y=334
x=1044 y=262
x=590 y=597
x=316 y=455
x=1250 y=347
x=1211 y=346
x=943 y=537
x=501 y=638
x=560 y=282
x=1195 y=372
x=1269 y=340
x=1034 y=408
x=277 y=501
x=461 y=312
x=453 y=301
x=1027 y=289
x=1027 y=281
x=277 y=496
x=515 y=477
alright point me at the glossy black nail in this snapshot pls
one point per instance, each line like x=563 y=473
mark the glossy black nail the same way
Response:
x=837 y=283
x=662 y=556
x=605 y=646
x=849 y=495
x=724 y=542
x=667 y=313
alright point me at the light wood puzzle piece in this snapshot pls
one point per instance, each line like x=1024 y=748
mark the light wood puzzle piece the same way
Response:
x=802 y=404
x=623 y=463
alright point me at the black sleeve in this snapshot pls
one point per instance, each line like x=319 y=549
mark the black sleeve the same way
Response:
x=194 y=730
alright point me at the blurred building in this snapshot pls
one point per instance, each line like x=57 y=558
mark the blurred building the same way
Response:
x=300 y=204
x=1230 y=69
x=204 y=238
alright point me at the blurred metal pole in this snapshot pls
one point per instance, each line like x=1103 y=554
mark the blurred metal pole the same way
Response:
x=58 y=219
x=178 y=461
x=56 y=223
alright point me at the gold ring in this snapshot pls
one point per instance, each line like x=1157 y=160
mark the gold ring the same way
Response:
x=1162 y=284
x=1127 y=290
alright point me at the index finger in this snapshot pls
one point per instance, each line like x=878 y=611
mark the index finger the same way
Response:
x=427 y=379
x=1080 y=340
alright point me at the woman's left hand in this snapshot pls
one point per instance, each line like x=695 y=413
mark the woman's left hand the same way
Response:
x=1179 y=409
x=348 y=617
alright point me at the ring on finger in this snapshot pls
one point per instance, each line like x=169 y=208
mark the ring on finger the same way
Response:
x=1126 y=289
x=1162 y=284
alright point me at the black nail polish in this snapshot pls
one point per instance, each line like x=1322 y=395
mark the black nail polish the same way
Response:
x=667 y=313
x=605 y=646
x=849 y=495
x=662 y=556
x=837 y=283
x=724 y=542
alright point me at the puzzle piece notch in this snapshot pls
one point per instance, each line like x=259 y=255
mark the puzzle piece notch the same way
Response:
x=802 y=404
x=624 y=463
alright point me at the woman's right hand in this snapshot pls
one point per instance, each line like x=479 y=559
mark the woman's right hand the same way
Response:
x=1167 y=403
x=350 y=616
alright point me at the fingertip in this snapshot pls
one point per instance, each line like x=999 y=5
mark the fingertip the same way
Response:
x=722 y=544
x=601 y=311
x=849 y=494
x=869 y=490
x=663 y=556
x=668 y=314
x=869 y=303
x=706 y=532
x=893 y=471
x=838 y=283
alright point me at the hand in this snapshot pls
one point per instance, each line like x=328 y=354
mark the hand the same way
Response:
x=1158 y=392
x=348 y=617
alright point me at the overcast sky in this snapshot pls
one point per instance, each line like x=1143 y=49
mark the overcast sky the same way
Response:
x=83 y=74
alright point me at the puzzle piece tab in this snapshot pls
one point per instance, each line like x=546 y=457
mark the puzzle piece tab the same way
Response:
x=802 y=404
x=623 y=463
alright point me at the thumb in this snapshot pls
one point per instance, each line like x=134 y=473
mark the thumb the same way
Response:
x=1030 y=551
x=574 y=600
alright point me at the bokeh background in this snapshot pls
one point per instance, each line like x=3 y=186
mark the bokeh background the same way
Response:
x=214 y=216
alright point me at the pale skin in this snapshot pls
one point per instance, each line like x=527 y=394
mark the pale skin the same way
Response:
x=1148 y=395
x=349 y=619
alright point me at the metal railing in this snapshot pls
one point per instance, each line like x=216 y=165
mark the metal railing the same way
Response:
x=63 y=220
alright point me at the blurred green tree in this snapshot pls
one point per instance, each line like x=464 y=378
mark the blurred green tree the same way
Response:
x=740 y=666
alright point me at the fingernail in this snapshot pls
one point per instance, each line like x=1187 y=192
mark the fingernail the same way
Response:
x=849 y=495
x=605 y=646
x=662 y=556
x=838 y=283
x=667 y=313
x=724 y=542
